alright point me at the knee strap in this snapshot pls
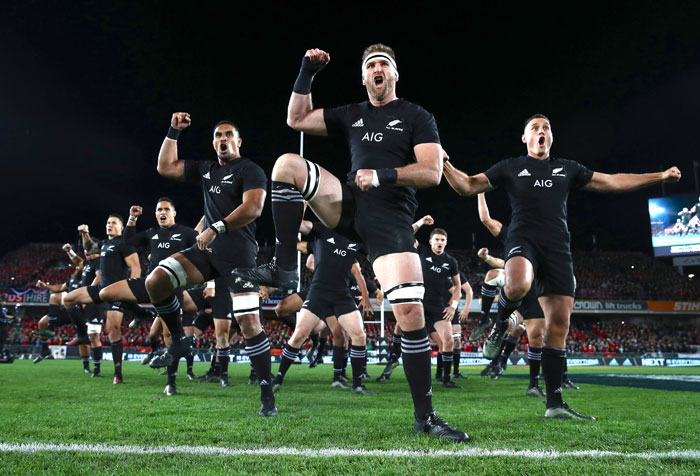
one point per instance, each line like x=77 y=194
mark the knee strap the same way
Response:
x=175 y=271
x=245 y=304
x=406 y=293
x=313 y=179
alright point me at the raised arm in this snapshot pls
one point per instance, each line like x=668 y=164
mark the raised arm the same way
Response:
x=492 y=261
x=301 y=115
x=493 y=225
x=75 y=259
x=246 y=212
x=464 y=184
x=85 y=235
x=426 y=220
x=618 y=183
x=168 y=164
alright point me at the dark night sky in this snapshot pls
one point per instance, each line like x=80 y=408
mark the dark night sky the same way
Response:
x=87 y=91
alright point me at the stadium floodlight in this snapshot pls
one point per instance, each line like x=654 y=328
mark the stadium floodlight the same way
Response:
x=655 y=210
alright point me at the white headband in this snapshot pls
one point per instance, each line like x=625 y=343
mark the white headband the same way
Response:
x=384 y=56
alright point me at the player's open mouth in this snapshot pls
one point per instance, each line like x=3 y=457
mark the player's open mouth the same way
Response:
x=223 y=147
x=541 y=140
x=378 y=81
x=163 y=218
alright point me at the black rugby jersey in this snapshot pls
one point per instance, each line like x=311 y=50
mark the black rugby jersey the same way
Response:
x=334 y=256
x=685 y=217
x=74 y=283
x=355 y=290
x=112 y=265
x=162 y=242
x=383 y=138
x=90 y=268
x=538 y=191
x=223 y=187
x=436 y=268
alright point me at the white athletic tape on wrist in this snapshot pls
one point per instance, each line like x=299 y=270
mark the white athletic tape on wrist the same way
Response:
x=245 y=304
x=211 y=284
x=406 y=293
x=175 y=271
x=375 y=56
x=420 y=223
x=375 y=179
x=72 y=254
x=454 y=304
x=499 y=281
x=313 y=180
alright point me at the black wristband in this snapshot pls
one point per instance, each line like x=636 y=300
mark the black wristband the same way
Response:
x=306 y=75
x=386 y=176
x=173 y=133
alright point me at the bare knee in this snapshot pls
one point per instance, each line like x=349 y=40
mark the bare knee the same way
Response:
x=158 y=285
x=287 y=167
x=516 y=290
x=410 y=316
x=250 y=325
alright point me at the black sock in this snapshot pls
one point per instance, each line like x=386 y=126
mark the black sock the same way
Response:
x=534 y=357
x=565 y=375
x=189 y=358
x=456 y=355
x=322 y=341
x=553 y=360
x=117 y=351
x=345 y=361
x=358 y=358
x=78 y=318
x=395 y=347
x=96 y=357
x=447 y=362
x=258 y=349
x=338 y=358
x=53 y=310
x=438 y=372
x=172 y=372
x=45 y=347
x=289 y=355
x=287 y=213
x=169 y=311
x=508 y=347
x=416 y=363
x=488 y=294
x=223 y=355
x=86 y=363
x=505 y=309
x=314 y=339
x=155 y=343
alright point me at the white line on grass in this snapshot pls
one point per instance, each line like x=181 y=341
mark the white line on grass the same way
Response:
x=331 y=452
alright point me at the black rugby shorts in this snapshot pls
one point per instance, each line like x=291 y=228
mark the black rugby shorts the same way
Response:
x=324 y=303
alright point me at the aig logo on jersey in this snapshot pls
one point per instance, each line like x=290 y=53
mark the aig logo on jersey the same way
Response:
x=215 y=189
x=558 y=172
x=373 y=137
x=543 y=183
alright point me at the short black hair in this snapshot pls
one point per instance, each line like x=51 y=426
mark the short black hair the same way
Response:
x=167 y=199
x=117 y=216
x=535 y=116
x=438 y=231
x=231 y=123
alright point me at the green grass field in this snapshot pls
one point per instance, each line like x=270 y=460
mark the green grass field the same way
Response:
x=208 y=429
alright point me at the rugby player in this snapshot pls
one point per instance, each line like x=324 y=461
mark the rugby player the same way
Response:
x=116 y=256
x=234 y=194
x=395 y=148
x=537 y=245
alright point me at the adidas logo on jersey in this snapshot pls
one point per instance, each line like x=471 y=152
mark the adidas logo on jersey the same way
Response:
x=331 y=240
x=429 y=259
x=206 y=176
x=155 y=237
x=524 y=173
x=359 y=123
